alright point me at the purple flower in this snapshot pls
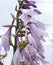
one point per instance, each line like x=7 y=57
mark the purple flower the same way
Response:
x=27 y=55
x=33 y=53
x=31 y=56
x=43 y=61
x=40 y=25
x=17 y=59
x=33 y=12
x=25 y=16
x=37 y=33
x=5 y=40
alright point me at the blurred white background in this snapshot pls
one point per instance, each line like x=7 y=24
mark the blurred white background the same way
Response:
x=46 y=7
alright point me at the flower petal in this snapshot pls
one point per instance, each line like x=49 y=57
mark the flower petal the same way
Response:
x=5 y=40
x=40 y=25
x=17 y=59
x=5 y=43
x=27 y=55
x=33 y=52
x=33 y=12
x=38 y=33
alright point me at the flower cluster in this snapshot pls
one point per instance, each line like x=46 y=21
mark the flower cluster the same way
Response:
x=28 y=49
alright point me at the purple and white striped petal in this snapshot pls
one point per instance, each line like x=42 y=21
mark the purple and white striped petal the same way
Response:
x=32 y=41
x=35 y=63
x=40 y=25
x=27 y=62
x=38 y=43
x=26 y=54
x=33 y=52
x=43 y=61
x=36 y=32
x=33 y=12
x=30 y=12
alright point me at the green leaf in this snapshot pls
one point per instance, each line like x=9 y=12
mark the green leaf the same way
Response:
x=3 y=56
x=0 y=36
x=16 y=8
x=12 y=16
x=23 y=45
x=23 y=63
x=9 y=26
x=10 y=42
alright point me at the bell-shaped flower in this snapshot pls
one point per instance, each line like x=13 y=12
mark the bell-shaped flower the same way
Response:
x=27 y=55
x=37 y=33
x=31 y=56
x=5 y=40
x=17 y=59
x=25 y=16
x=43 y=61
x=40 y=25
x=33 y=52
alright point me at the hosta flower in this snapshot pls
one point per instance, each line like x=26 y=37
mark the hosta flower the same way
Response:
x=34 y=51
x=40 y=25
x=37 y=33
x=5 y=40
x=24 y=17
x=17 y=59
x=27 y=55
x=30 y=51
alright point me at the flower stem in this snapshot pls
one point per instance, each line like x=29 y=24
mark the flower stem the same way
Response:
x=17 y=27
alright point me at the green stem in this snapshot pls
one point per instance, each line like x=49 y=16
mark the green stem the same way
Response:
x=17 y=27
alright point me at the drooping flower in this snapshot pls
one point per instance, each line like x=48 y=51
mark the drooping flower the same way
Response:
x=5 y=40
x=37 y=33
x=33 y=53
x=25 y=16
x=40 y=25
x=17 y=59
x=26 y=54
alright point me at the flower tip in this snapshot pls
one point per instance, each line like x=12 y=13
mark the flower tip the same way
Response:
x=37 y=11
